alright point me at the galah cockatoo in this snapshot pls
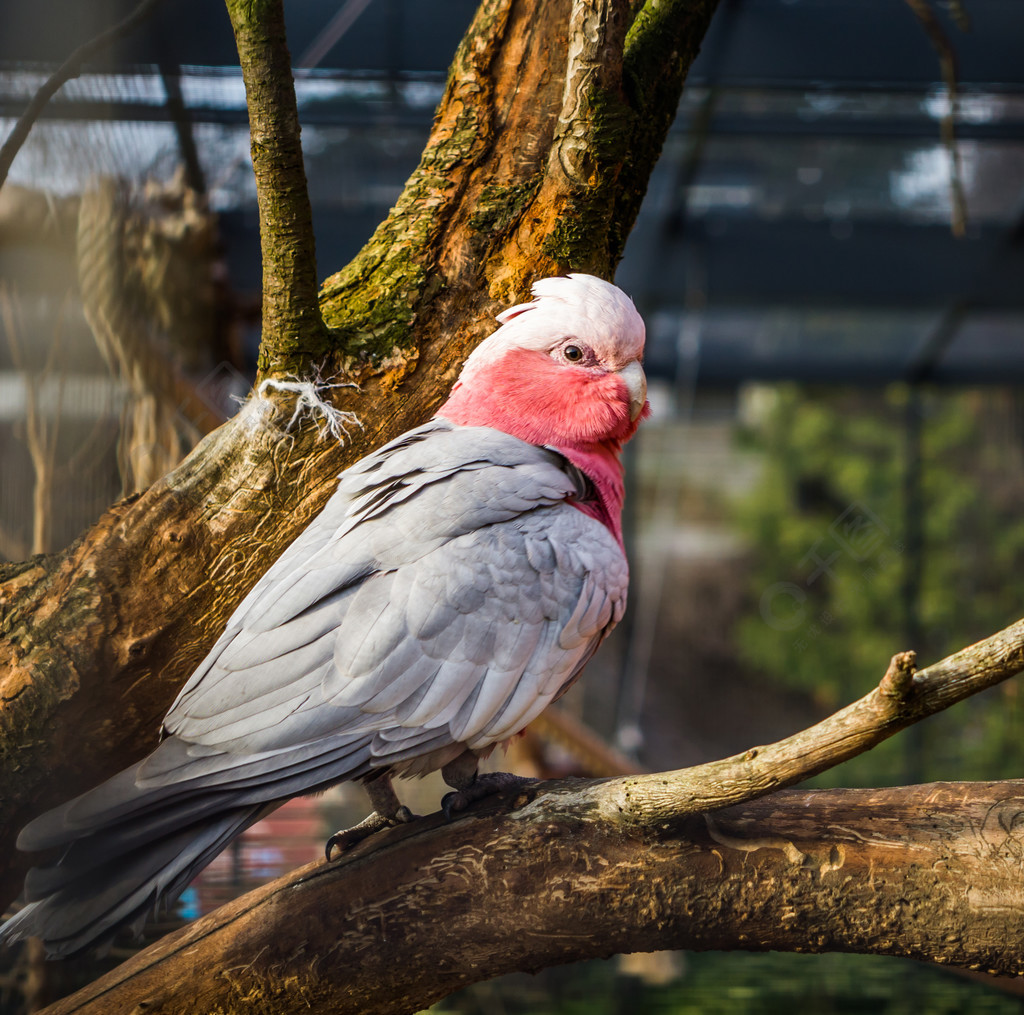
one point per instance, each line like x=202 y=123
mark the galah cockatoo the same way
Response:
x=453 y=586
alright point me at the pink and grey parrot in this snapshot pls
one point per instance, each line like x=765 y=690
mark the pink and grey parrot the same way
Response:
x=453 y=586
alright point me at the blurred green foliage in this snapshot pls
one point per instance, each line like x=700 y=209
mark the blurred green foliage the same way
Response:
x=832 y=546
x=740 y=983
x=827 y=528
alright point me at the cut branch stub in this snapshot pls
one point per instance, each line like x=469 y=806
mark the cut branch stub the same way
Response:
x=898 y=681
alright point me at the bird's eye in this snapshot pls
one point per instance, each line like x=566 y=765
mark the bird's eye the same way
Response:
x=573 y=353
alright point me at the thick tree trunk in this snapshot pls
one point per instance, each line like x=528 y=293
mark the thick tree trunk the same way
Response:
x=95 y=641
x=930 y=872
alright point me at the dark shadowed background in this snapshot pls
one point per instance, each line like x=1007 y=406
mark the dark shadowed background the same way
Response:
x=835 y=464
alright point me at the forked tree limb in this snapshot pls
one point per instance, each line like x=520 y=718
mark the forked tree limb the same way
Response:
x=589 y=868
x=95 y=641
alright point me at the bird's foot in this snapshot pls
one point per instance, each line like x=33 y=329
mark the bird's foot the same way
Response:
x=348 y=837
x=485 y=784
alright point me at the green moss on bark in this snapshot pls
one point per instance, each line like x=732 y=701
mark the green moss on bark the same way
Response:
x=661 y=44
x=501 y=206
x=372 y=303
x=587 y=234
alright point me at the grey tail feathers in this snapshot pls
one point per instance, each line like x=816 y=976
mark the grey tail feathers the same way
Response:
x=140 y=837
x=118 y=875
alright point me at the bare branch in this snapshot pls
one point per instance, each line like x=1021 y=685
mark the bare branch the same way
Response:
x=808 y=871
x=69 y=69
x=947 y=64
x=293 y=331
x=587 y=868
x=901 y=699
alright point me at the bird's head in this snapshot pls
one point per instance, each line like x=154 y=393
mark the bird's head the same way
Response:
x=563 y=369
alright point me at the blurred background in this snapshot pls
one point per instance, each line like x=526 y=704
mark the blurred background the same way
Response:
x=830 y=262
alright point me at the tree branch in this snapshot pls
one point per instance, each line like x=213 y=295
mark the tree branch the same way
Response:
x=806 y=871
x=948 y=66
x=113 y=625
x=901 y=699
x=69 y=69
x=588 y=868
x=294 y=335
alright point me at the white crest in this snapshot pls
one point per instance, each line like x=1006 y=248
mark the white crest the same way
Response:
x=577 y=306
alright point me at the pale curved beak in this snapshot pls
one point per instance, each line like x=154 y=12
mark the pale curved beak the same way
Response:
x=636 y=382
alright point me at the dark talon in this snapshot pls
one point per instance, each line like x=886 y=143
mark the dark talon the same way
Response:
x=388 y=811
x=350 y=836
x=485 y=784
x=448 y=804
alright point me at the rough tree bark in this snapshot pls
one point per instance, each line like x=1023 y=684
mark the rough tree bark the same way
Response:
x=522 y=890
x=589 y=868
x=96 y=640
x=553 y=116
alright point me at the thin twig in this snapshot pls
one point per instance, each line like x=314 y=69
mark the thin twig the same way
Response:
x=958 y=13
x=294 y=334
x=947 y=63
x=69 y=69
x=902 y=698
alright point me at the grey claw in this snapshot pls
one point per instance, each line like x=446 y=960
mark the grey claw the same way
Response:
x=485 y=784
x=348 y=837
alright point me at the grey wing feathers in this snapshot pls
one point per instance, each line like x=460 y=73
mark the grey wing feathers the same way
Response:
x=443 y=597
x=457 y=591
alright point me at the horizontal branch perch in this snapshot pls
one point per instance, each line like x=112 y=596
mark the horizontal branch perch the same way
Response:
x=799 y=871
x=590 y=868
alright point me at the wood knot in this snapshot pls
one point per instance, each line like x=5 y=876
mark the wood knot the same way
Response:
x=898 y=681
x=133 y=649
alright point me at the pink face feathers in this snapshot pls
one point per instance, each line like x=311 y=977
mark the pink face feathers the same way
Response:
x=532 y=396
x=563 y=371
